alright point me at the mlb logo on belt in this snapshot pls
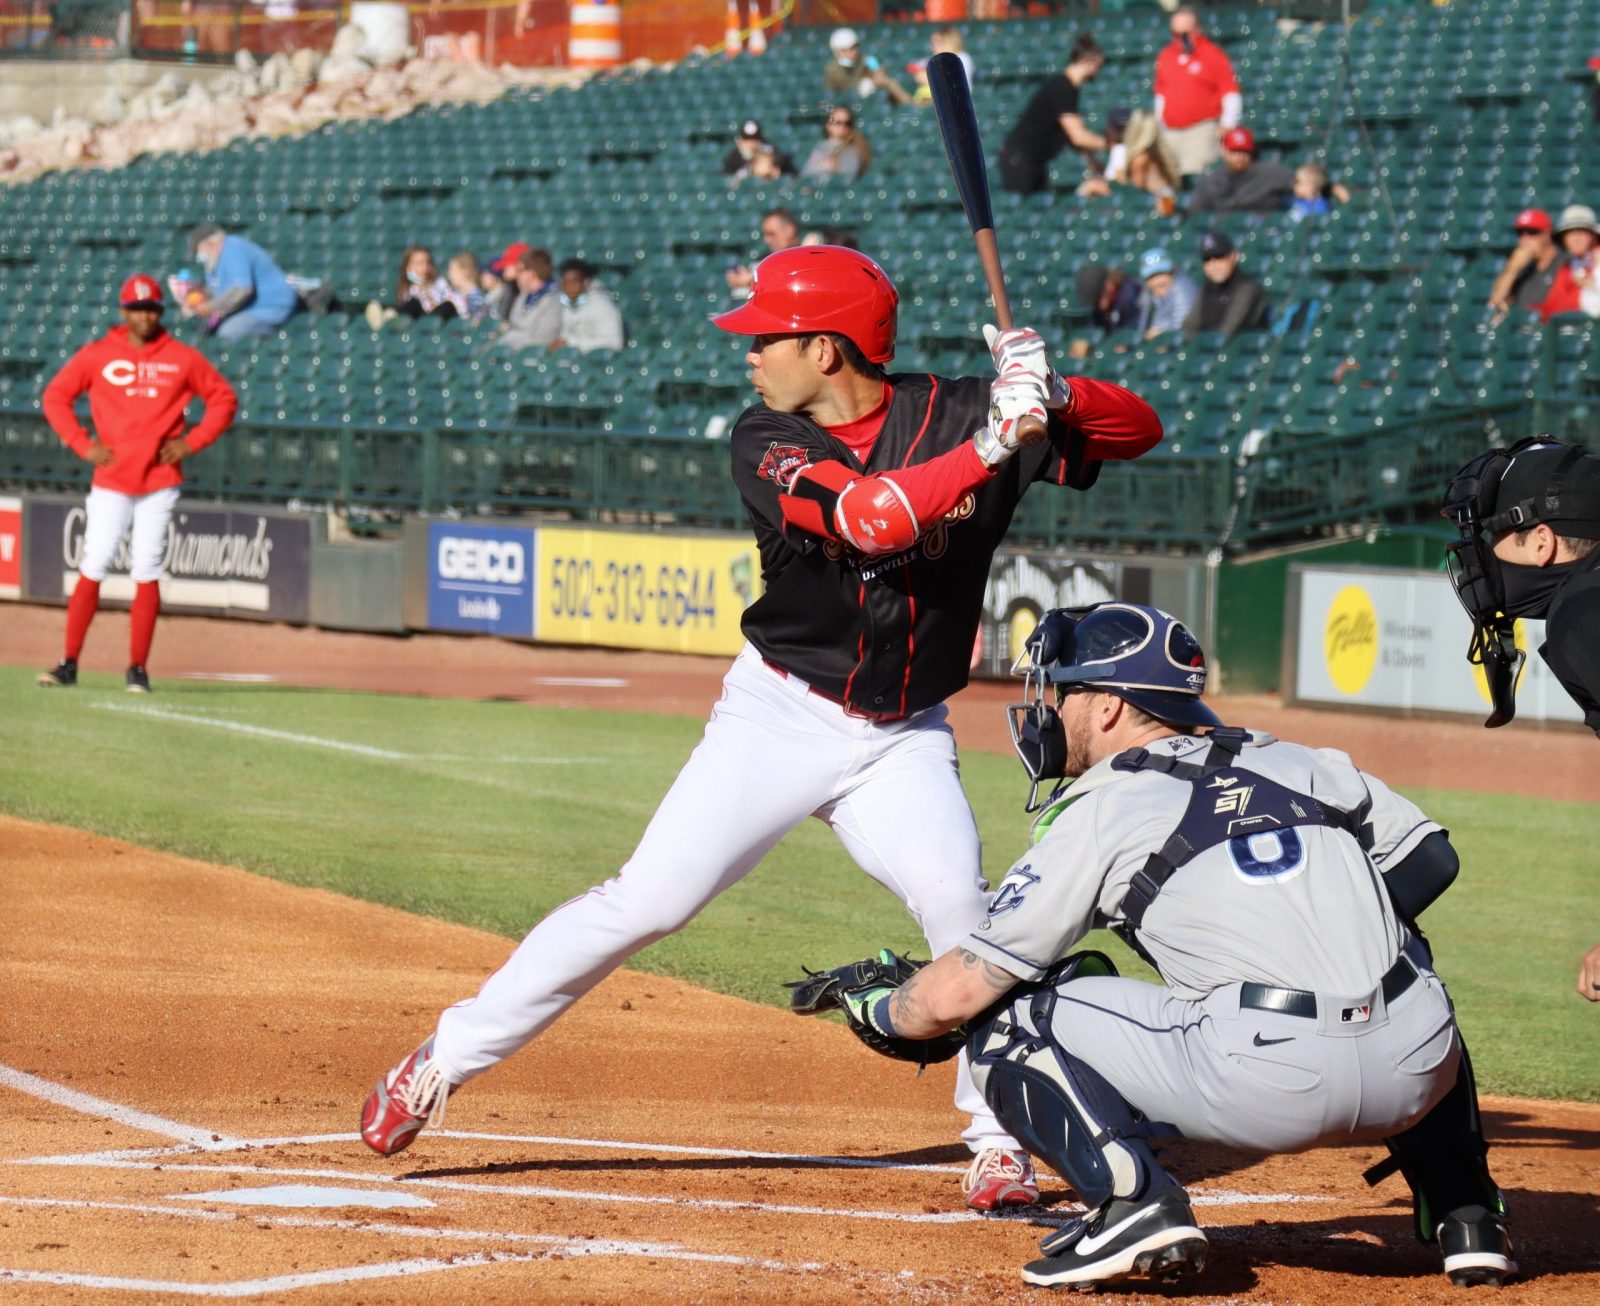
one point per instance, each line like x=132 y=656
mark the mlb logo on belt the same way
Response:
x=1356 y=1015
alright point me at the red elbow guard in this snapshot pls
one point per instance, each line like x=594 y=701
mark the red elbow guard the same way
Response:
x=873 y=515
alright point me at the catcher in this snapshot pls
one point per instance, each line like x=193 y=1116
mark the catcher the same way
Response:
x=1261 y=880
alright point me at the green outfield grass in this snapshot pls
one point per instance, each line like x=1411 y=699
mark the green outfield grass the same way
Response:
x=491 y=813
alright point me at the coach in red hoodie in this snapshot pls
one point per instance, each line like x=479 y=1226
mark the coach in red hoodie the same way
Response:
x=139 y=381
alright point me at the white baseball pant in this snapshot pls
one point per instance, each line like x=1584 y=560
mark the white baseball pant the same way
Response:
x=107 y=514
x=773 y=754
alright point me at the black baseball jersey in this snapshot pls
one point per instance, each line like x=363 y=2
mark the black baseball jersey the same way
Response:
x=888 y=634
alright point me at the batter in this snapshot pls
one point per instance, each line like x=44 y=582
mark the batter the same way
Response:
x=878 y=502
x=139 y=381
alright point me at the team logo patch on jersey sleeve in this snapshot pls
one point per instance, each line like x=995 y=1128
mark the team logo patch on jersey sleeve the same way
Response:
x=782 y=463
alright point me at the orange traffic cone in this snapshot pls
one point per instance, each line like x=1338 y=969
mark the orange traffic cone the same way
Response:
x=732 y=45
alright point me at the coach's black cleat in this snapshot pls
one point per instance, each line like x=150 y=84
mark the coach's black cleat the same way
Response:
x=138 y=680
x=1156 y=1237
x=1476 y=1248
x=64 y=676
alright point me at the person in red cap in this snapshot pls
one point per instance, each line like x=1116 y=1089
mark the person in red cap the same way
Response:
x=878 y=501
x=1196 y=94
x=499 y=279
x=1530 y=269
x=1243 y=184
x=139 y=381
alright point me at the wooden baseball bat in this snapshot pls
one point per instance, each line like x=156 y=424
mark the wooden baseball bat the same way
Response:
x=963 y=146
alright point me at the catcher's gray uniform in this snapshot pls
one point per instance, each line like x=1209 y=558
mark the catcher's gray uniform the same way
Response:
x=1296 y=1010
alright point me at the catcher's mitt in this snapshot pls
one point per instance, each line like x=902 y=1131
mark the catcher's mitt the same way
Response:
x=852 y=989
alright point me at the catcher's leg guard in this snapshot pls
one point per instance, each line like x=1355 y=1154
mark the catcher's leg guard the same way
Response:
x=1055 y=1104
x=1445 y=1158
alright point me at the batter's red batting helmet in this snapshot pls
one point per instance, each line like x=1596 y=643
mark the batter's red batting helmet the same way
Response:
x=820 y=288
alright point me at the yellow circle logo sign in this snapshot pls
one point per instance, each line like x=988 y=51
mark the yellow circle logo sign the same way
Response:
x=1520 y=635
x=1350 y=639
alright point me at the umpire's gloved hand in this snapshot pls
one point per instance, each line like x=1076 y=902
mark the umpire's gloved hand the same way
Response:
x=1022 y=350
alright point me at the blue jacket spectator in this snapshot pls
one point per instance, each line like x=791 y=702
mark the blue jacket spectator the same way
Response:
x=1169 y=296
x=247 y=294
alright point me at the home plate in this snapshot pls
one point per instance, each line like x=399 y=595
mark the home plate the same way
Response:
x=308 y=1195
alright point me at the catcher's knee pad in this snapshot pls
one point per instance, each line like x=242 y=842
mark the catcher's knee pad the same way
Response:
x=1056 y=1105
x=1444 y=1158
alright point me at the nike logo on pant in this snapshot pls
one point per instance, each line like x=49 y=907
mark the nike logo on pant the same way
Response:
x=1268 y=1042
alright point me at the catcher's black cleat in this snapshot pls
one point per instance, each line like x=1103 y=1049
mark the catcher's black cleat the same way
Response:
x=138 y=680
x=63 y=676
x=1476 y=1248
x=1155 y=1237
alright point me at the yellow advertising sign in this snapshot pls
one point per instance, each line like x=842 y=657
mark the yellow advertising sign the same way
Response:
x=1350 y=639
x=619 y=589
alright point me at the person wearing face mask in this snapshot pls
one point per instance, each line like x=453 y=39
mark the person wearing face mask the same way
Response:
x=1196 y=94
x=1529 y=519
x=247 y=293
x=590 y=318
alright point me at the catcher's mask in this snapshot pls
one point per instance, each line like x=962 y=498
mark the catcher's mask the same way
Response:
x=1537 y=481
x=1141 y=654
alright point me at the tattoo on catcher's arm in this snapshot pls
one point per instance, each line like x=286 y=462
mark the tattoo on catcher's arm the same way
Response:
x=995 y=977
x=905 y=1010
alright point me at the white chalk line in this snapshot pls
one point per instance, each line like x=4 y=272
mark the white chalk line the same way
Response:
x=557 y=1244
x=88 y=1104
x=1205 y=1197
x=320 y=741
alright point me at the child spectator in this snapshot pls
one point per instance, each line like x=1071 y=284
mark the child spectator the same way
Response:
x=843 y=151
x=465 y=278
x=1576 y=288
x=1169 y=296
x=590 y=318
x=1310 y=192
x=419 y=291
x=740 y=159
x=534 y=318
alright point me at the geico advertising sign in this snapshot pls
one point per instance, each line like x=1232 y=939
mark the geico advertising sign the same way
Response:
x=1398 y=639
x=480 y=578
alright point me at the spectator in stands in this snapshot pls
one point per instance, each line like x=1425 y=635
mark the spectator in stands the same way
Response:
x=764 y=168
x=1112 y=298
x=1530 y=269
x=843 y=150
x=841 y=236
x=465 y=278
x=420 y=291
x=1576 y=288
x=499 y=280
x=948 y=40
x=1230 y=301
x=590 y=318
x=1243 y=184
x=1309 y=194
x=1169 y=296
x=1196 y=94
x=1051 y=121
x=534 y=319
x=850 y=72
x=747 y=145
x=246 y=293
x=779 y=230
x=1138 y=157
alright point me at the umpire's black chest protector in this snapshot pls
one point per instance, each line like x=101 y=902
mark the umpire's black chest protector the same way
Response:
x=1227 y=804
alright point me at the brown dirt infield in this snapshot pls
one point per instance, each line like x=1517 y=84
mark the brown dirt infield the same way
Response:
x=659 y=1143
x=250 y=1010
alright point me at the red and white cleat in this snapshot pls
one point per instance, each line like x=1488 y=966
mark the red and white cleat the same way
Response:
x=999 y=1178
x=411 y=1095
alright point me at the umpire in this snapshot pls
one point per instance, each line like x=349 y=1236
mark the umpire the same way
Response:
x=1269 y=886
x=1529 y=518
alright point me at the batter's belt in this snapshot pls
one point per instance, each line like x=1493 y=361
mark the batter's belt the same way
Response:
x=850 y=709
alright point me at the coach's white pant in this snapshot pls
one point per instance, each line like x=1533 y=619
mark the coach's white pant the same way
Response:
x=107 y=514
x=773 y=754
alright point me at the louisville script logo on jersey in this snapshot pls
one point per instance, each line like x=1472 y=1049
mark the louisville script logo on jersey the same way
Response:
x=782 y=463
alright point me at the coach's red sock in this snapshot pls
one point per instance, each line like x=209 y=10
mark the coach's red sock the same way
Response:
x=146 y=607
x=81 y=608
